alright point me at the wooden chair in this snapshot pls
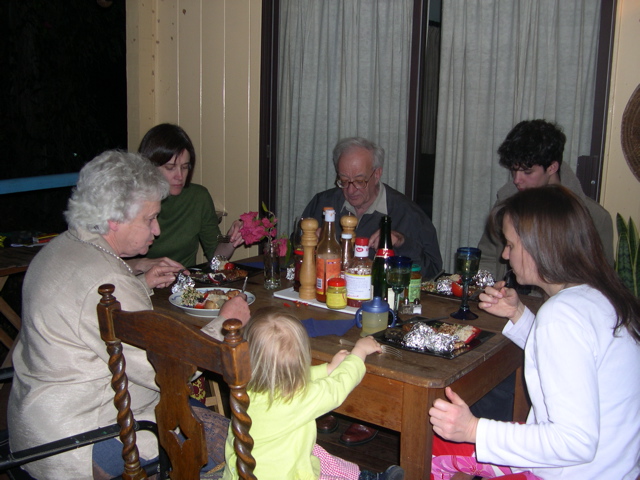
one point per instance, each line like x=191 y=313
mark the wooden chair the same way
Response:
x=11 y=461
x=176 y=349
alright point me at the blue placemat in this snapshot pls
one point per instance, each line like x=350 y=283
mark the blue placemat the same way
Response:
x=319 y=328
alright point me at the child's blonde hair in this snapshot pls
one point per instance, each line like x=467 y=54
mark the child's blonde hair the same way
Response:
x=280 y=354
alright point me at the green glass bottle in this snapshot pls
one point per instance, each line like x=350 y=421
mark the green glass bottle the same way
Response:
x=379 y=268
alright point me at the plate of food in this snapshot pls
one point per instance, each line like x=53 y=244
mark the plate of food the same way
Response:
x=206 y=302
x=433 y=337
x=229 y=272
x=450 y=286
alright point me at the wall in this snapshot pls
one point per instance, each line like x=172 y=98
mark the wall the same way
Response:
x=621 y=189
x=197 y=63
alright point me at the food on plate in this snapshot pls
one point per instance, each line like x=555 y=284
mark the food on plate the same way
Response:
x=227 y=275
x=457 y=289
x=209 y=300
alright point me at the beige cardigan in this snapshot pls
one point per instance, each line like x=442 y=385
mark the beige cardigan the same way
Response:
x=62 y=382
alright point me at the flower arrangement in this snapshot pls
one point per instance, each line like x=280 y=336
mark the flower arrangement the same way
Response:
x=255 y=229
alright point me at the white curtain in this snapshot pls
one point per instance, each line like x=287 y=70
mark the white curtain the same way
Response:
x=503 y=61
x=343 y=71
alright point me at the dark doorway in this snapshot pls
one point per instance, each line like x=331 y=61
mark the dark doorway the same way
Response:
x=62 y=101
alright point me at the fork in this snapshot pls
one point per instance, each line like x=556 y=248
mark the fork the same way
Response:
x=393 y=351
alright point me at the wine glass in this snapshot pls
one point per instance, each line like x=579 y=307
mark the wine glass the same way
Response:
x=398 y=276
x=467 y=264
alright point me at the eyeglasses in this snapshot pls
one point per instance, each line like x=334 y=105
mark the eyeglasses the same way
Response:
x=170 y=167
x=358 y=184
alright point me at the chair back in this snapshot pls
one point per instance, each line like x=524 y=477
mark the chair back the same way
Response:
x=176 y=350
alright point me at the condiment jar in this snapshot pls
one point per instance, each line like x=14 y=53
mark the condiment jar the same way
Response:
x=415 y=284
x=337 y=293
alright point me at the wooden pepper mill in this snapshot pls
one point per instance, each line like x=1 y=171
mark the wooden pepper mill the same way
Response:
x=308 y=268
x=348 y=224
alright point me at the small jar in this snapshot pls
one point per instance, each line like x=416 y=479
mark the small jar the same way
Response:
x=337 y=293
x=415 y=283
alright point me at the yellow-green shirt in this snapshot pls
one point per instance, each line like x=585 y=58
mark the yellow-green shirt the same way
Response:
x=285 y=433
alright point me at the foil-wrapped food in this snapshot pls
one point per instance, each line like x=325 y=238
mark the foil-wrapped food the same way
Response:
x=182 y=282
x=435 y=337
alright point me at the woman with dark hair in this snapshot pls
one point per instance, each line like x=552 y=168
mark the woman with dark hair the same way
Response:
x=585 y=416
x=188 y=217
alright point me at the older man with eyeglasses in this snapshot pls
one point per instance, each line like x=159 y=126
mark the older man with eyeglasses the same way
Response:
x=359 y=163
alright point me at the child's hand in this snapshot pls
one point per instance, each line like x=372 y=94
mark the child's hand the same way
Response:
x=336 y=360
x=366 y=346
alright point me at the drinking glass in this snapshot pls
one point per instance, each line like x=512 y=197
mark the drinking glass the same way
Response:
x=398 y=276
x=467 y=264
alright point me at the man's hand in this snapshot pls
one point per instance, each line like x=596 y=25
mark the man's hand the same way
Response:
x=397 y=239
x=502 y=302
x=236 y=307
x=453 y=421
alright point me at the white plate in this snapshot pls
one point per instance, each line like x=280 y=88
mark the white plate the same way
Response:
x=176 y=299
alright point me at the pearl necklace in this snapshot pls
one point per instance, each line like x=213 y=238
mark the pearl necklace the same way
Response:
x=109 y=253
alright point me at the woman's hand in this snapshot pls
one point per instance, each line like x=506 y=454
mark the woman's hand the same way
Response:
x=366 y=346
x=502 y=302
x=336 y=360
x=235 y=240
x=161 y=275
x=236 y=307
x=144 y=264
x=453 y=420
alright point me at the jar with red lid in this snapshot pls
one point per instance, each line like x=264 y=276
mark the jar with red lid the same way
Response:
x=337 y=293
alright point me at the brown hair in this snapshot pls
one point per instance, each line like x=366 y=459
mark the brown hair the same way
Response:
x=555 y=228
x=280 y=354
x=165 y=141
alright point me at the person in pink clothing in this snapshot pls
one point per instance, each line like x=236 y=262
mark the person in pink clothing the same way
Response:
x=579 y=348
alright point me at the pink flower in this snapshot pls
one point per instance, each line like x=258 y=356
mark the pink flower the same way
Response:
x=249 y=217
x=281 y=243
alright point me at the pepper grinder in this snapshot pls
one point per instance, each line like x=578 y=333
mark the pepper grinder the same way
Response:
x=308 y=268
x=348 y=224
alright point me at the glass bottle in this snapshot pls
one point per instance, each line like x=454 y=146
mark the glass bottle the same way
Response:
x=379 y=268
x=358 y=275
x=346 y=249
x=327 y=255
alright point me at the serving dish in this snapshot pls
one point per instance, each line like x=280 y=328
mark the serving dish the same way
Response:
x=482 y=337
x=176 y=300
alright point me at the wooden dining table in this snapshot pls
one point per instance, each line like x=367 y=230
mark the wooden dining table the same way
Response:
x=397 y=393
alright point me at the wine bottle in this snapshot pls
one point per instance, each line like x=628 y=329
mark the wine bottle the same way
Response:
x=384 y=251
x=327 y=255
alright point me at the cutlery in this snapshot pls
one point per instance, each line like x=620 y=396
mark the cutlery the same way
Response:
x=385 y=348
x=244 y=285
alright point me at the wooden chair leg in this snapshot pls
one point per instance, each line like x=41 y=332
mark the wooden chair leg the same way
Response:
x=215 y=399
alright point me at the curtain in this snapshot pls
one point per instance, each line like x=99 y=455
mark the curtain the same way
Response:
x=503 y=62
x=343 y=71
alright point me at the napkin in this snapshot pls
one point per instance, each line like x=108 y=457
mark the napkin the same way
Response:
x=319 y=328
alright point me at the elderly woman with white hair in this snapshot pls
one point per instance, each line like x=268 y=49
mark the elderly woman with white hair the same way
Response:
x=61 y=385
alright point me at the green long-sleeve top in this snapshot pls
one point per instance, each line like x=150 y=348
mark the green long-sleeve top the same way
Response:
x=187 y=220
x=284 y=433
